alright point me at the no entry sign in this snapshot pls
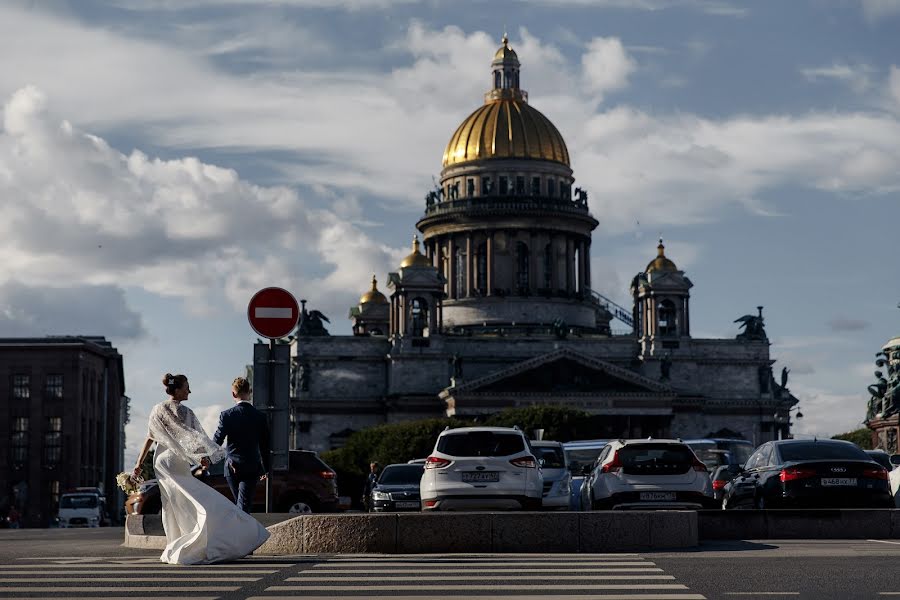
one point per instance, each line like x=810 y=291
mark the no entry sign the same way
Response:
x=273 y=312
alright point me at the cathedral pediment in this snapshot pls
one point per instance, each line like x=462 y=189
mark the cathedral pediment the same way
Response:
x=563 y=372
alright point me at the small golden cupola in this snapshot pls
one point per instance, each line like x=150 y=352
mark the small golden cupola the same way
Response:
x=373 y=296
x=661 y=262
x=415 y=258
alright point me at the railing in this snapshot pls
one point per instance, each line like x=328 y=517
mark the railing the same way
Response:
x=505 y=203
x=619 y=312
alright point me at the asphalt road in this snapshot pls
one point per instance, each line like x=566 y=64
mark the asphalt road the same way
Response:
x=92 y=564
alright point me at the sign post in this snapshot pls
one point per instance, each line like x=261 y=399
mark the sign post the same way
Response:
x=273 y=313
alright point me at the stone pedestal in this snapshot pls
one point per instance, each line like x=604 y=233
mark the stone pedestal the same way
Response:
x=885 y=433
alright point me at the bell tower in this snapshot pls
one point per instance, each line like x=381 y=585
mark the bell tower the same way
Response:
x=417 y=296
x=661 y=305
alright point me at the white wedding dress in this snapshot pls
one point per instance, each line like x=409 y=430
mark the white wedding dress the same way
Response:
x=202 y=526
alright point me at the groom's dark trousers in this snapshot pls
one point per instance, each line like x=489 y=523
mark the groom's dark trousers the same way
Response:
x=248 y=450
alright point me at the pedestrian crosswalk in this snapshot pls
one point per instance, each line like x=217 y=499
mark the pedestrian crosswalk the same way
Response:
x=317 y=577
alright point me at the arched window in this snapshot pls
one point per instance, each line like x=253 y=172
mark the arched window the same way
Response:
x=481 y=267
x=666 y=318
x=522 y=267
x=460 y=267
x=497 y=80
x=419 y=317
x=548 y=266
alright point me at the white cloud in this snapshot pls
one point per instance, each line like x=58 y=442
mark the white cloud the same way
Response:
x=877 y=10
x=826 y=414
x=894 y=84
x=857 y=77
x=606 y=65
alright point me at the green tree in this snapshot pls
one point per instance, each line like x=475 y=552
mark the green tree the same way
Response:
x=861 y=437
x=560 y=423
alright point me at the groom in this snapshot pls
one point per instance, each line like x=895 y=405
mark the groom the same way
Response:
x=248 y=459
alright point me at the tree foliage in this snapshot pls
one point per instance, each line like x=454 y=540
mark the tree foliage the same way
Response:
x=861 y=437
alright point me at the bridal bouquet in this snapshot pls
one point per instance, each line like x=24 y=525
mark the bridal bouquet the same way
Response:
x=128 y=483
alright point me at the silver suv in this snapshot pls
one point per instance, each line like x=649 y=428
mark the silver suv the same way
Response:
x=481 y=468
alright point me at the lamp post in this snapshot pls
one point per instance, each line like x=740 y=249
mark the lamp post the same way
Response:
x=783 y=417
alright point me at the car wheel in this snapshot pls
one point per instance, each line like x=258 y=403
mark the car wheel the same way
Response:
x=300 y=508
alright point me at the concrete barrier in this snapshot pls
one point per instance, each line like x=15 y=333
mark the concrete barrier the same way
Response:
x=602 y=531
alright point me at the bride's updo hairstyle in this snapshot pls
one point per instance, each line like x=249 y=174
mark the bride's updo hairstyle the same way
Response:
x=173 y=382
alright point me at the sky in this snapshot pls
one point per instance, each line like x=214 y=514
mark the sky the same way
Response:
x=160 y=161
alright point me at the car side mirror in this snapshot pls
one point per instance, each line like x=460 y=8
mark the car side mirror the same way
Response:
x=586 y=470
x=895 y=459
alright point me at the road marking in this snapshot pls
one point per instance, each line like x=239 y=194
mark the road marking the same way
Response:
x=508 y=597
x=158 y=565
x=463 y=587
x=762 y=593
x=120 y=597
x=366 y=579
x=186 y=588
x=450 y=569
x=127 y=579
x=885 y=542
x=57 y=571
x=332 y=564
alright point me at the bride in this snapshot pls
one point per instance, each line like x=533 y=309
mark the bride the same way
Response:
x=202 y=526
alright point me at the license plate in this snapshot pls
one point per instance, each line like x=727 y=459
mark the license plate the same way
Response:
x=480 y=476
x=838 y=481
x=658 y=496
x=407 y=505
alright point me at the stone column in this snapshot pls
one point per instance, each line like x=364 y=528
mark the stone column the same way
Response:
x=490 y=263
x=580 y=266
x=687 y=316
x=570 y=265
x=532 y=262
x=587 y=264
x=469 y=263
x=451 y=268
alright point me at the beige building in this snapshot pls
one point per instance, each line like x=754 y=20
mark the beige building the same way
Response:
x=495 y=308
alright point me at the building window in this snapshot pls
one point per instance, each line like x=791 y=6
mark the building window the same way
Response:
x=551 y=187
x=548 y=266
x=497 y=79
x=460 y=274
x=667 y=319
x=487 y=186
x=54 y=386
x=419 y=317
x=535 y=186
x=504 y=185
x=522 y=267
x=21 y=386
x=520 y=185
x=470 y=187
x=565 y=191
x=53 y=441
x=19 y=440
x=481 y=267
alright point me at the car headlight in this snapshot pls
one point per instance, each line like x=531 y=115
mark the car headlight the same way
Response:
x=381 y=496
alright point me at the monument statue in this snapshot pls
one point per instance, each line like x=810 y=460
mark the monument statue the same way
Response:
x=784 y=377
x=311 y=322
x=303 y=372
x=753 y=327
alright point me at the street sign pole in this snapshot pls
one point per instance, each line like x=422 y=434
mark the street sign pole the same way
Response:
x=270 y=404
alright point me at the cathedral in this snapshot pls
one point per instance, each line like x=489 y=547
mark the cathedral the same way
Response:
x=493 y=308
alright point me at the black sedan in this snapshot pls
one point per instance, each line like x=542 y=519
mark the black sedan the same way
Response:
x=397 y=488
x=809 y=474
x=720 y=478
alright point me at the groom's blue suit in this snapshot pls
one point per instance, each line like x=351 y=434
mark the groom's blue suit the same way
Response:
x=248 y=450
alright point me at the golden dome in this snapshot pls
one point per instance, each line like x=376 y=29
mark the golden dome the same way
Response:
x=506 y=128
x=505 y=51
x=661 y=263
x=415 y=258
x=373 y=296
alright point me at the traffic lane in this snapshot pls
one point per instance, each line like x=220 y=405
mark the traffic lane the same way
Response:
x=814 y=569
x=98 y=541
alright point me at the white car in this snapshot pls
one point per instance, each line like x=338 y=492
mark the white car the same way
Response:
x=557 y=478
x=648 y=473
x=481 y=468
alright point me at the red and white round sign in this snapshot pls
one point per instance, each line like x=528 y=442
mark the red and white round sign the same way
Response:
x=273 y=312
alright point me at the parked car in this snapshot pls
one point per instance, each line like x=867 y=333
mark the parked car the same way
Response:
x=309 y=485
x=580 y=456
x=715 y=452
x=721 y=477
x=557 y=478
x=647 y=473
x=809 y=474
x=881 y=457
x=397 y=488
x=481 y=468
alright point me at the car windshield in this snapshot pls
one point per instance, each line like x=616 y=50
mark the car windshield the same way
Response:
x=580 y=457
x=820 y=451
x=553 y=457
x=481 y=443
x=401 y=474
x=655 y=458
x=740 y=452
x=713 y=457
x=79 y=501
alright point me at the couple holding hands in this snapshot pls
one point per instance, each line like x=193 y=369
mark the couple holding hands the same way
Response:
x=201 y=525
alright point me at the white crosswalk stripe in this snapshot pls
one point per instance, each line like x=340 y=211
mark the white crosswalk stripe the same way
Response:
x=481 y=577
x=107 y=578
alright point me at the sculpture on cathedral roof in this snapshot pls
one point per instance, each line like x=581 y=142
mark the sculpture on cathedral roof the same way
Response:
x=753 y=325
x=311 y=322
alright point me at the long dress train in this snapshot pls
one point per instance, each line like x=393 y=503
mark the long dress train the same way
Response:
x=202 y=526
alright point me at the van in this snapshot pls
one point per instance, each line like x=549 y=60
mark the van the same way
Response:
x=82 y=507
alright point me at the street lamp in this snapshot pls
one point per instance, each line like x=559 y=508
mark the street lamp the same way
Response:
x=783 y=417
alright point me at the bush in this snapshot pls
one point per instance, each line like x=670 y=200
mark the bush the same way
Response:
x=559 y=423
